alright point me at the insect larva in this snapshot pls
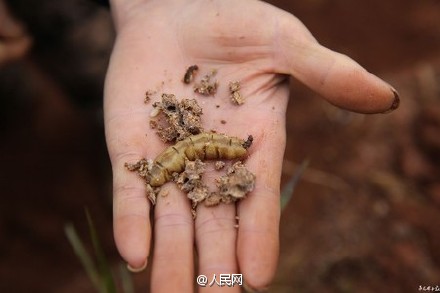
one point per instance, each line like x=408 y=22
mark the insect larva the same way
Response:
x=155 y=111
x=189 y=74
x=202 y=146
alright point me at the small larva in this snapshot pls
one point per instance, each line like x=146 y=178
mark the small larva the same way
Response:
x=189 y=74
x=202 y=146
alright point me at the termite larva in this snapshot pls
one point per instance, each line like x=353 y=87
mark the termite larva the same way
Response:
x=202 y=146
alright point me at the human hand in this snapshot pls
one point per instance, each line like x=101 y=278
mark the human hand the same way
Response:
x=247 y=41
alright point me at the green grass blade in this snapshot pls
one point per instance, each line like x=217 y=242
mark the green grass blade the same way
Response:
x=289 y=188
x=106 y=277
x=127 y=281
x=83 y=255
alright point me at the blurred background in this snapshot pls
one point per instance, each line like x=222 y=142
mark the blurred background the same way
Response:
x=364 y=217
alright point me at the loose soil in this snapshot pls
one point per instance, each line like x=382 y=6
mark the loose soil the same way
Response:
x=183 y=121
x=207 y=86
x=182 y=118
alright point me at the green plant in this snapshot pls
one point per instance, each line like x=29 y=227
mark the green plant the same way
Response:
x=289 y=188
x=98 y=268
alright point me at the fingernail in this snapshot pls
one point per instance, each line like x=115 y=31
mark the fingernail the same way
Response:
x=396 y=102
x=137 y=270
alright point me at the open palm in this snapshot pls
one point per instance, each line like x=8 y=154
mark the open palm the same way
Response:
x=247 y=41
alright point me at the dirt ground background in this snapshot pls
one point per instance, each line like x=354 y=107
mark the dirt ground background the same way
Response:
x=364 y=218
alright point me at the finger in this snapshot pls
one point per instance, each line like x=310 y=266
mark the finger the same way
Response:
x=336 y=77
x=216 y=236
x=173 y=258
x=125 y=125
x=132 y=229
x=259 y=213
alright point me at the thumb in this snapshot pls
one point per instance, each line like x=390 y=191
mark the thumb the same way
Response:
x=336 y=77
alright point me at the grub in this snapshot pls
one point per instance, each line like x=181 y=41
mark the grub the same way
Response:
x=203 y=146
x=190 y=73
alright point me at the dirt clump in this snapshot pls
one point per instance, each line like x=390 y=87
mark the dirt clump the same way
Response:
x=191 y=176
x=236 y=97
x=207 y=86
x=142 y=168
x=219 y=165
x=190 y=181
x=148 y=96
x=182 y=119
x=233 y=186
